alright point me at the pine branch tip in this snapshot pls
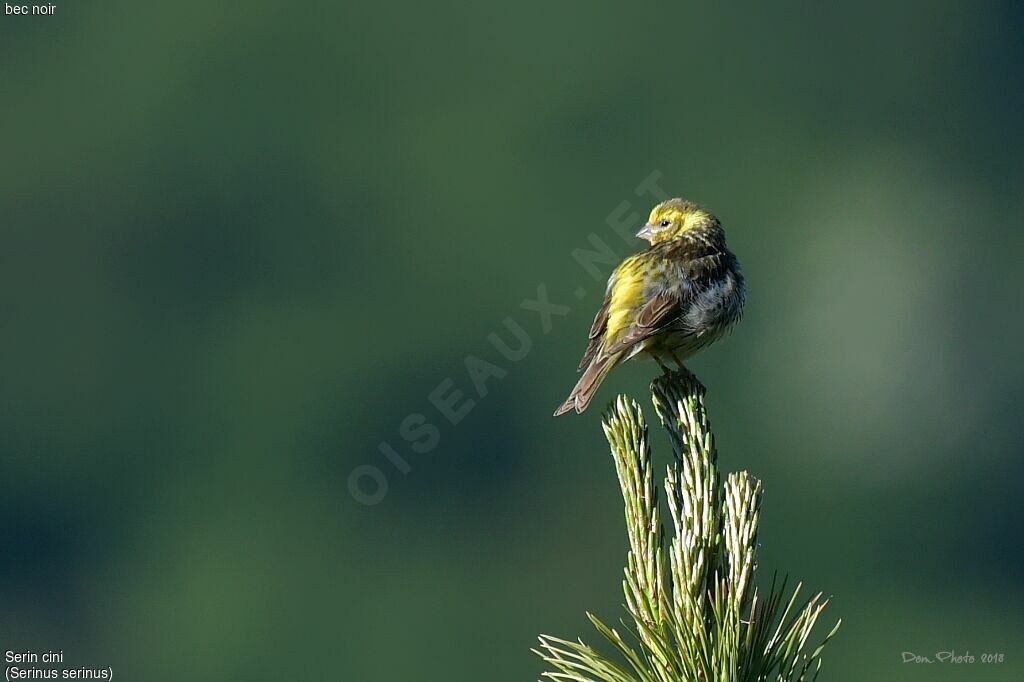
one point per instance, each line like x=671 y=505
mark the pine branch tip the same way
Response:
x=691 y=593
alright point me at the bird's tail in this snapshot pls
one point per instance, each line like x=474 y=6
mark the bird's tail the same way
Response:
x=588 y=384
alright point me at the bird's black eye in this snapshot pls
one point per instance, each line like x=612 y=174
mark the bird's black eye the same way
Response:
x=665 y=223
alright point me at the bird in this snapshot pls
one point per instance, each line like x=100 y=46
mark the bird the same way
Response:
x=680 y=294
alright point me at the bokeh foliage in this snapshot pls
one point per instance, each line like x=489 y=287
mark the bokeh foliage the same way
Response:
x=243 y=242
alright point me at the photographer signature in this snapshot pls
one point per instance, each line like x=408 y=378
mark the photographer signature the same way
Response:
x=952 y=657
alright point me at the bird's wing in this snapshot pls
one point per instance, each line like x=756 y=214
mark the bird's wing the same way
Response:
x=653 y=317
x=596 y=333
x=616 y=330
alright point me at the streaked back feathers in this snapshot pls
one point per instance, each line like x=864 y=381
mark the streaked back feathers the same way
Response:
x=667 y=302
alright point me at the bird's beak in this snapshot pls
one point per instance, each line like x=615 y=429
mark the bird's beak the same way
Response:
x=646 y=232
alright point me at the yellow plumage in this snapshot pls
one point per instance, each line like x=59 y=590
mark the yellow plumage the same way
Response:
x=668 y=301
x=626 y=297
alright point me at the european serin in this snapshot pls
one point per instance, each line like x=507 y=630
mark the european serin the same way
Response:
x=681 y=294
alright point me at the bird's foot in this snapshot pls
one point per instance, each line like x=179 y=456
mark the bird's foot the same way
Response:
x=681 y=372
x=664 y=368
x=681 y=377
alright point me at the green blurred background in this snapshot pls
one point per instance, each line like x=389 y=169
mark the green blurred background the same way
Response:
x=243 y=242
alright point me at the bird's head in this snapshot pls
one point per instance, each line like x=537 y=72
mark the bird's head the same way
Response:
x=673 y=219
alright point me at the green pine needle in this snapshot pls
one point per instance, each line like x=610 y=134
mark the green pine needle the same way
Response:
x=695 y=612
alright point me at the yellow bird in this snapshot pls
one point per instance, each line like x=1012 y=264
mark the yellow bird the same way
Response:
x=667 y=302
